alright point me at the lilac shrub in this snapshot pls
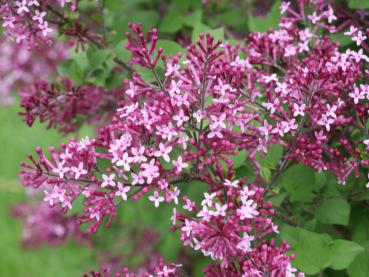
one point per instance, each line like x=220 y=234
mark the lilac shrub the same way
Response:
x=292 y=87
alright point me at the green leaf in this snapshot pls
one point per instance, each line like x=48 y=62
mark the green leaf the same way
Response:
x=75 y=73
x=239 y=159
x=361 y=230
x=262 y=24
x=266 y=174
x=113 y=5
x=278 y=199
x=272 y=158
x=171 y=23
x=333 y=211
x=245 y=170
x=145 y=73
x=320 y=180
x=96 y=57
x=170 y=246
x=115 y=80
x=362 y=196
x=170 y=47
x=313 y=251
x=148 y=19
x=344 y=252
x=121 y=52
x=193 y=18
x=202 y=28
x=291 y=234
x=299 y=181
x=358 y=4
x=218 y=34
x=360 y=266
x=79 y=57
x=199 y=265
x=341 y=38
x=235 y=18
x=331 y=188
x=63 y=68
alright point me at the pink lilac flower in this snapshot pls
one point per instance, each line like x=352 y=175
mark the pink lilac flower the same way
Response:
x=156 y=198
x=122 y=191
x=108 y=181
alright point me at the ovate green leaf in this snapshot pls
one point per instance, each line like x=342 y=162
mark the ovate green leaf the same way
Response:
x=299 y=181
x=344 y=252
x=333 y=211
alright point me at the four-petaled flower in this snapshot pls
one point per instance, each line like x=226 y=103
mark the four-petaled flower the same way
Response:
x=124 y=161
x=325 y=121
x=122 y=191
x=163 y=152
x=271 y=78
x=156 y=198
x=22 y=7
x=231 y=184
x=179 y=164
x=356 y=95
x=61 y=170
x=151 y=171
x=220 y=210
x=78 y=171
x=298 y=109
x=208 y=199
x=359 y=38
x=108 y=181
x=180 y=118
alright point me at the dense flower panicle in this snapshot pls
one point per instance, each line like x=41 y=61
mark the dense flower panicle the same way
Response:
x=264 y=260
x=66 y=107
x=229 y=223
x=42 y=224
x=27 y=21
x=144 y=139
x=290 y=86
x=309 y=98
x=20 y=66
x=160 y=269
x=143 y=46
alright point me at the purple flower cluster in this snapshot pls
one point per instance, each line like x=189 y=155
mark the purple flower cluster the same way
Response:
x=26 y=21
x=290 y=86
x=65 y=106
x=160 y=269
x=221 y=228
x=20 y=66
x=42 y=224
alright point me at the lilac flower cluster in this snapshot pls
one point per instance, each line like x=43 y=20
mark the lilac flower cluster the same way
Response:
x=290 y=86
x=160 y=269
x=26 y=21
x=19 y=66
x=307 y=99
x=188 y=128
x=42 y=224
x=221 y=229
x=65 y=106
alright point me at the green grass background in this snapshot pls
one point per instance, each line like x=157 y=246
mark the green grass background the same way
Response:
x=16 y=141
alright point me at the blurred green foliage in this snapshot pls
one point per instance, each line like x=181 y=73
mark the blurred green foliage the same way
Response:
x=17 y=140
